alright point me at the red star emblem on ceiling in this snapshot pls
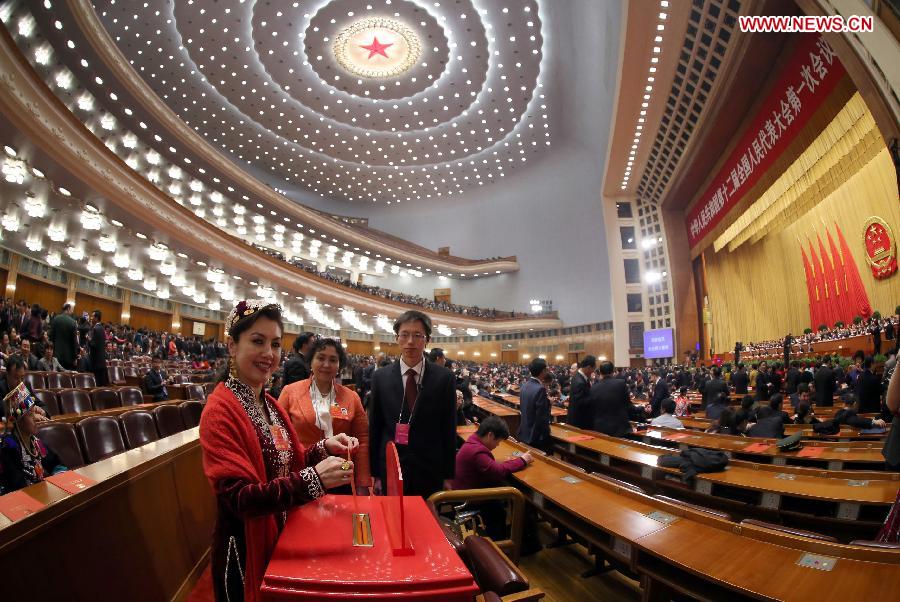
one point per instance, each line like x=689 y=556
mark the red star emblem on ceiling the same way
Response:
x=376 y=47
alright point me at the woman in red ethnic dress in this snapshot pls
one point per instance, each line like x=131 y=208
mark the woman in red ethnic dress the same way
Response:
x=252 y=457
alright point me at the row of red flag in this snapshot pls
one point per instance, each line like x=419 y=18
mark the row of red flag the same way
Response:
x=833 y=285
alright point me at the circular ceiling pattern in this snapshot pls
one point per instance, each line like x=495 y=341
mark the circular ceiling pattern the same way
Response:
x=362 y=100
x=393 y=55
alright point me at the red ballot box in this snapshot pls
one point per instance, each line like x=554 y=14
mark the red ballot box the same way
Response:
x=316 y=559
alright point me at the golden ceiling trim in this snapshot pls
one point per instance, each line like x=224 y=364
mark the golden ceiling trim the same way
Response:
x=97 y=36
x=33 y=109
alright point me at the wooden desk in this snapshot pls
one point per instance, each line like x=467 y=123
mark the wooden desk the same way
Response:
x=721 y=561
x=846 y=433
x=486 y=407
x=141 y=533
x=852 y=502
x=556 y=412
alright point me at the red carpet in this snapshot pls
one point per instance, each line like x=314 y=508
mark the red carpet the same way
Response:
x=203 y=591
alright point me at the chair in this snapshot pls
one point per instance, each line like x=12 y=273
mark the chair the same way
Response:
x=116 y=375
x=697 y=507
x=74 y=401
x=788 y=530
x=190 y=413
x=194 y=392
x=208 y=388
x=48 y=398
x=881 y=545
x=105 y=399
x=59 y=380
x=130 y=396
x=130 y=371
x=181 y=379
x=84 y=380
x=138 y=427
x=494 y=572
x=100 y=437
x=61 y=438
x=35 y=380
x=168 y=420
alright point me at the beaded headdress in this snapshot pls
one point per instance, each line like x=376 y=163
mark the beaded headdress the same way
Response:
x=18 y=402
x=245 y=309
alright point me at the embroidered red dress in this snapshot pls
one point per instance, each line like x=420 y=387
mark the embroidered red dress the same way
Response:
x=255 y=483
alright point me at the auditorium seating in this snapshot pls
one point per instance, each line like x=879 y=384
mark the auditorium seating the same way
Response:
x=59 y=380
x=84 y=380
x=74 y=401
x=493 y=571
x=190 y=413
x=100 y=437
x=61 y=438
x=130 y=396
x=35 y=380
x=139 y=427
x=116 y=375
x=168 y=420
x=788 y=530
x=194 y=392
x=48 y=398
x=103 y=399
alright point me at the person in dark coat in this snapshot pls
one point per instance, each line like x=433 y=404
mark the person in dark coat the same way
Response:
x=64 y=336
x=579 y=413
x=714 y=386
x=97 y=347
x=741 y=380
x=716 y=406
x=534 y=406
x=610 y=404
x=792 y=378
x=660 y=392
x=769 y=424
x=825 y=385
x=849 y=415
x=763 y=382
x=297 y=367
x=868 y=388
x=413 y=404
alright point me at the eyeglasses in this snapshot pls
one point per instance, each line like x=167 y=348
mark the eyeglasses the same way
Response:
x=418 y=337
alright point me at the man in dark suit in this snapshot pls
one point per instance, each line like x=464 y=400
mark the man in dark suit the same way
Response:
x=769 y=424
x=534 y=406
x=714 y=386
x=155 y=381
x=876 y=335
x=610 y=404
x=825 y=385
x=297 y=368
x=579 y=407
x=792 y=378
x=97 y=346
x=868 y=389
x=413 y=404
x=741 y=380
x=788 y=341
x=660 y=392
x=763 y=382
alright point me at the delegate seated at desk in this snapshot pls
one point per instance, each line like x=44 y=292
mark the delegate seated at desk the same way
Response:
x=476 y=468
x=24 y=459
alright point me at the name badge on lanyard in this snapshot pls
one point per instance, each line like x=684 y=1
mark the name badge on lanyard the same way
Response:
x=401 y=433
x=280 y=437
x=338 y=412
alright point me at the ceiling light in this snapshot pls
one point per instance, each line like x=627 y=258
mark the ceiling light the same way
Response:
x=75 y=253
x=53 y=258
x=107 y=244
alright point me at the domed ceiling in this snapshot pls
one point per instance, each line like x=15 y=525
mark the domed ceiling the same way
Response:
x=379 y=101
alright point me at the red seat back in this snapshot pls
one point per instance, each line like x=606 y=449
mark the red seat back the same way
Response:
x=105 y=399
x=61 y=438
x=138 y=427
x=168 y=420
x=100 y=437
x=84 y=380
x=74 y=401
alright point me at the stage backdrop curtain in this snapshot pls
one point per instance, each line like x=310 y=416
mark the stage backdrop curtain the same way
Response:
x=758 y=292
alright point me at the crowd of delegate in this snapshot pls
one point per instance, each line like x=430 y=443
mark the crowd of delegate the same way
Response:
x=408 y=299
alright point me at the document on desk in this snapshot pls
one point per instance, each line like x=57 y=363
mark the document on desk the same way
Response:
x=71 y=482
x=18 y=504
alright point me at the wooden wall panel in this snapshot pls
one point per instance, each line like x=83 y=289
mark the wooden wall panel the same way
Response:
x=152 y=319
x=758 y=292
x=212 y=329
x=360 y=347
x=111 y=310
x=46 y=294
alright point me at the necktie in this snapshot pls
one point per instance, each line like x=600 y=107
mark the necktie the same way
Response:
x=412 y=390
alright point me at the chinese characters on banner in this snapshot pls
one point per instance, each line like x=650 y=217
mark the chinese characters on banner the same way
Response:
x=809 y=76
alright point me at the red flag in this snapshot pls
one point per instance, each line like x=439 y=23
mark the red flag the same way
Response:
x=859 y=299
x=810 y=288
x=831 y=303
x=840 y=282
x=819 y=315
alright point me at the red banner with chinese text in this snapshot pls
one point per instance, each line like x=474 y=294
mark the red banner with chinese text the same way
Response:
x=806 y=80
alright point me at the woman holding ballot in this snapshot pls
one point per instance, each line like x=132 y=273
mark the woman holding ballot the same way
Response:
x=252 y=457
x=319 y=407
